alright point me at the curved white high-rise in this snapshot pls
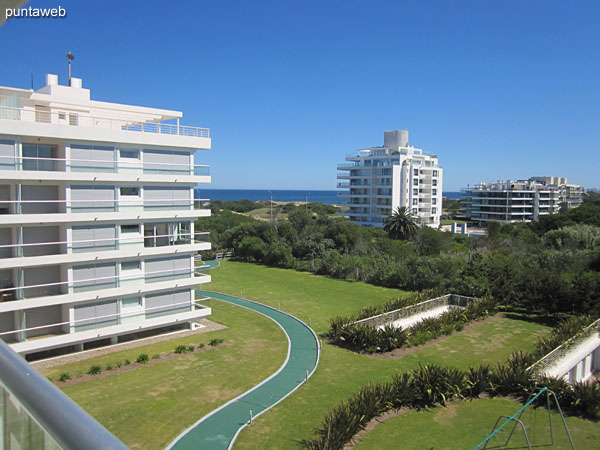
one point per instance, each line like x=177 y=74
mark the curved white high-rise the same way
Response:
x=97 y=212
x=381 y=179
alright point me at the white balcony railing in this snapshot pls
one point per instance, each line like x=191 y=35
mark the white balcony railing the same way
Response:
x=105 y=205
x=78 y=119
x=149 y=241
x=95 y=165
x=100 y=283
x=171 y=308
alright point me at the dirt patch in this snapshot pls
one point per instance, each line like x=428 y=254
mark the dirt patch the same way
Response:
x=163 y=357
x=208 y=326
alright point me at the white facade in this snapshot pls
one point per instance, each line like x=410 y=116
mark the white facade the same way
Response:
x=97 y=211
x=381 y=179
x=523 y=200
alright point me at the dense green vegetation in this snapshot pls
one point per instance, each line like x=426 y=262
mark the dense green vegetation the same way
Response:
x=551 y=266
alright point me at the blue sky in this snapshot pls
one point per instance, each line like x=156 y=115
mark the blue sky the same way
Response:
x=497 y=89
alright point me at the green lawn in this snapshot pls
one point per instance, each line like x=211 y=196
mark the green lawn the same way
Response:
x=464 y=425
x=308 y=297
x=341 y=372
x=148 y=407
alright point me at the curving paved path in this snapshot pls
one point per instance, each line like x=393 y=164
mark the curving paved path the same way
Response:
x=218 y=429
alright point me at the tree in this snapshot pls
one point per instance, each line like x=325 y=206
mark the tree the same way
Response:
x=401 y=224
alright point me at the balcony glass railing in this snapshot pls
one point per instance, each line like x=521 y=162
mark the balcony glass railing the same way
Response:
x=95 y=245
x=97 y=205
x=103 y=166
x=104 y=320
x=23 y=293
x=28 y=412
x=77 y=119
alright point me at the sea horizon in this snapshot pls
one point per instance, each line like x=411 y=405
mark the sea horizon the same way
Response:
x=328 y=197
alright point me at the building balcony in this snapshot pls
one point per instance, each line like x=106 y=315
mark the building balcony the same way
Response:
x=124 y=242
x=29 y=121
x=18 y=166
x=10 y=207
x=53 y=332
x=348 y=166
x=343 y=185
x=59 y=292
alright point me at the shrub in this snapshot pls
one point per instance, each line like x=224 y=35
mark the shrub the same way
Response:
x=142 y=358
x=190 y=348
x=180 y=349
x=155 y=356
x=64 y=376
x=477 y=380
x=109 y=367
x=95 y=370
x=587 y=399
x=119 y=364
x=127 y=362
x=201 y=346
x=215 y=341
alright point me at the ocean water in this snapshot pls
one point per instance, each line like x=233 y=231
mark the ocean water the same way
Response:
x=327 y=197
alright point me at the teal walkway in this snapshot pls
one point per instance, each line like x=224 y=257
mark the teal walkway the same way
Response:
x=218 y=429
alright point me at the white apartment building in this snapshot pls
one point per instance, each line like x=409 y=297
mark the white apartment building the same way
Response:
x=523 y=200
x=380 y=179
x=97 y=211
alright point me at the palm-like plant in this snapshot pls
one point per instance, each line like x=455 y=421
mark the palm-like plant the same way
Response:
x=401 y=224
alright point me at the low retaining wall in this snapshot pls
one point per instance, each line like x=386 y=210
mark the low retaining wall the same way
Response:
x=586 y=342
x=451 y=300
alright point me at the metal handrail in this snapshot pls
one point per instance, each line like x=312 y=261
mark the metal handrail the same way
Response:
x=85 y=120
x=115 y=239
x=118 y=315
x=402 y=313
x=59 y=416
x=115 y=277
x=101 y=161
x=559 y=352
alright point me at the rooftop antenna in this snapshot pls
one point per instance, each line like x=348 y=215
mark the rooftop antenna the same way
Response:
x=70 y=57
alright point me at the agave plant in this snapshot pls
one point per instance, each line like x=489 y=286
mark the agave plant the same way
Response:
x=477 y=380
x=587 y=399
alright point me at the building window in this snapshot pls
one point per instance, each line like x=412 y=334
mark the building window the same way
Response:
x=416 y=182
x=130 y=229
x=414 y=210
x=130 y=265
x=434 y=182
x=434 y=201
x=434 y=192
x=433 y=210
x=131 y=302
x=42 y=157
x=130 y=191
x=416 y=172
x=415 y=192
x=130 y=154
x=435 y=173
x=415 y=201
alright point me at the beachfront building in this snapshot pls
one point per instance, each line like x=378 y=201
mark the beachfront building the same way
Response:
x=97 y=236
x=378 y=180
x=523 y=200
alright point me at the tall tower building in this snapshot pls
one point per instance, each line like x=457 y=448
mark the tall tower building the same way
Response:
x=97 y=211
x=378 y=180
